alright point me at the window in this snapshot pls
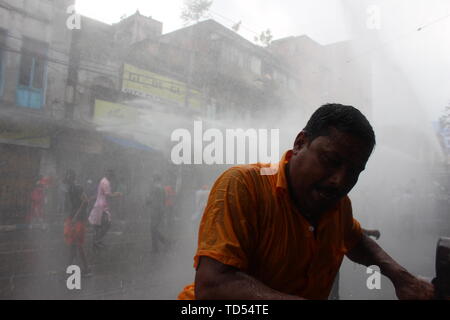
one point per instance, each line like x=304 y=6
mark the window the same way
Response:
x=234 y=56
x=255 y=65
x=2 y=59
x=280 y=78
x=30 y=91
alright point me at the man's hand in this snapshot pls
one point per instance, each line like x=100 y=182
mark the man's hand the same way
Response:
x=372 y=233
x=410 y=287
x=376 y=234
x=367 y=252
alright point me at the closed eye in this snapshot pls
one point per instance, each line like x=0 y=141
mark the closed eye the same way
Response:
x=331 y=161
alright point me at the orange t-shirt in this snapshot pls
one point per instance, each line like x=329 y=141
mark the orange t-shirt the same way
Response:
x=251 y=223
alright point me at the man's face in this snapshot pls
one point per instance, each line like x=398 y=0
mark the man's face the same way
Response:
x=323 y=171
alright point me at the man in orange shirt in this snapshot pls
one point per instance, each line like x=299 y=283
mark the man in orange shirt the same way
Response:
x=284 y=236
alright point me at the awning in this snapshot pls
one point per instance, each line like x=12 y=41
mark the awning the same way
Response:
x=21 y=135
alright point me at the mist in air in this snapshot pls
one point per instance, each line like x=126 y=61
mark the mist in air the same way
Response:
x=387 y=58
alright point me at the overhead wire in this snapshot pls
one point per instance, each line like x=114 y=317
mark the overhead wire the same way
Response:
x=397 y=38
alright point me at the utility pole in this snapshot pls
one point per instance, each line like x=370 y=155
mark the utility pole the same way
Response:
x=72 y=78
x=190 y=67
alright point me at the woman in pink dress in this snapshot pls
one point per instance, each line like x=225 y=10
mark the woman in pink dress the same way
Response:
x=100 y=216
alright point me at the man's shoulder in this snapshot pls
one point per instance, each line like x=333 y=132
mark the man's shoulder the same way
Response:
x=246 y=171
x=345 y=206
x=249 y=175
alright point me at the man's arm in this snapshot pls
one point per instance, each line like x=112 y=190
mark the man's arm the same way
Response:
x=367 y=252
x=372 y=233
x=217 y=281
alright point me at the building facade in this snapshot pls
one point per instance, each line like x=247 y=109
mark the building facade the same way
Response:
x=34 y=59
x=110 y=96
x=327 y=75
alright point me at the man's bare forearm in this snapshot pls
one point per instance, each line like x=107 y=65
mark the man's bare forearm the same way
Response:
x=367 y=252
x=240 y=286
x=216 y=281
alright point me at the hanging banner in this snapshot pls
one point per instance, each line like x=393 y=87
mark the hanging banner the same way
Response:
x=106 y=111
x=154 y=86
x=28 y=137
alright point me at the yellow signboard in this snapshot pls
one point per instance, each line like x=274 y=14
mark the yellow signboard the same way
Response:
x=148 y=84
x=109 y=111
x=28 y=137
x=123 y=122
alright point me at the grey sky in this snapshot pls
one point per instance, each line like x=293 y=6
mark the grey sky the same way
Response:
x=424 y=56
x=321 y=19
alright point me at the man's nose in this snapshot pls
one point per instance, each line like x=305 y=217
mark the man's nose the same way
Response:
x=338 y=177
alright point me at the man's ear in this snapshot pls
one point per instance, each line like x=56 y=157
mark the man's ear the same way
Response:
x=300 y=141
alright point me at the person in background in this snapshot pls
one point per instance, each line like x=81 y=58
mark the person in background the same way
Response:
x=91 y=193
x=48 y=182
x=37 y=204
x=169 y=203
x=75 y=224
x=61 y=196
x=100 y=216
x=201 y=198
x=156 y=202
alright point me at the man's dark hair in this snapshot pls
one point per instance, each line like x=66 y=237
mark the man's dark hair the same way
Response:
x=346 y=119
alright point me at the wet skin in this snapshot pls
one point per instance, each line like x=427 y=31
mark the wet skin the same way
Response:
x=322 y=171
x=319 y=173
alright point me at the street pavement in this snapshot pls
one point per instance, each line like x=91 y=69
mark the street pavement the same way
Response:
x=33 y=264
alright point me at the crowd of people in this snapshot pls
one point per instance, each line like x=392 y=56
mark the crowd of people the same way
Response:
x=94 y=206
